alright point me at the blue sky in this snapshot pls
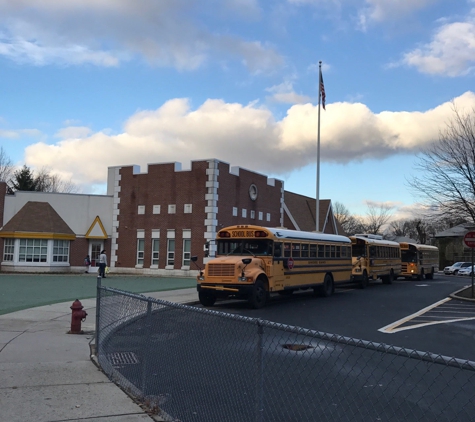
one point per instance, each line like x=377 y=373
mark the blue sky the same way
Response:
x=95 y=83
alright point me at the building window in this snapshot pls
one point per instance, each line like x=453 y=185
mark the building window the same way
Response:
x=33 y=250
x=141 y=209
x=156 y=209
x=261 y=215
x=9 y=249
x=186 y=252
x=140 y=251
x=253 y=214
x=188 y=208
x=235 y=211
x=172 y=209
x=171 y=252
x=61 y=251
x=268 y=216
x=155 y=251
x=244 y=212
x=186 y=236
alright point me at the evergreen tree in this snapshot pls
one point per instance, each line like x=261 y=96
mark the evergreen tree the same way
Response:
x=23 y=179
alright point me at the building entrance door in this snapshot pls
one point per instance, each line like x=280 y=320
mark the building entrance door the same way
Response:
x=96 y=248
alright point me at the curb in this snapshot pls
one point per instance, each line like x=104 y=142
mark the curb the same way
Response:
x=456 y=295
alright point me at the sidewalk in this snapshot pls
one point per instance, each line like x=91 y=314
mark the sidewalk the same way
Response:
x=48 y=375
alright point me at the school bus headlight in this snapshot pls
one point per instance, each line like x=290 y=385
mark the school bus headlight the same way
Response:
x=201 y=278
x=357 y=270
x=245 y=279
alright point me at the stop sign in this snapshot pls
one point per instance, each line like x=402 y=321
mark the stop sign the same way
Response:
x=290 y=261
x=469 y=239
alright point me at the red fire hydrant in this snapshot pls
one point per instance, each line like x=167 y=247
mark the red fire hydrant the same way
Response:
x=77 y=316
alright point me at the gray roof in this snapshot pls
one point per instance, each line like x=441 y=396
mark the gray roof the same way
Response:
x=37 y=217
x=456 y=231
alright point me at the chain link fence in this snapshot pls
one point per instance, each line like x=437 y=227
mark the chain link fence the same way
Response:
x=191 y=364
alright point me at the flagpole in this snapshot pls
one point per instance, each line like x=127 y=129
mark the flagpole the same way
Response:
x=317 y=211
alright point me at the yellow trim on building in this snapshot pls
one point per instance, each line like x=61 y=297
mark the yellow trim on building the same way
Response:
x=97 y=221
x=33 y=235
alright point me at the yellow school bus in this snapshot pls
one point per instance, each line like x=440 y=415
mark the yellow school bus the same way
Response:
x=419 y=261
x=252 y=261
x=373 y=258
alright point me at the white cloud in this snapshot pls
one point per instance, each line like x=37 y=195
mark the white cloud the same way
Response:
x=20 y=133
x=378 y=11
x=23 y=51
x=382 y=10
x=246 y=136
x=284 y=93
x=108 y=32
x=73 y=132
x=451 y=51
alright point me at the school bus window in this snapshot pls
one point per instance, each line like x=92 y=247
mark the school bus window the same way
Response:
x=313 y=251
x=321 y=251
x=338 y=252
x=295 y=250
x=277 y=250
x=286 y=250
x=226 y=247
x=244 y=247
x=327 y=251
x=333 y=251
x=372 y=251
x=304 y=252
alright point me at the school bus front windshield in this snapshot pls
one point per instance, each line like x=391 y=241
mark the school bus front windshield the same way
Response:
x=358 y=248
x=252 y=247
x=408 y=256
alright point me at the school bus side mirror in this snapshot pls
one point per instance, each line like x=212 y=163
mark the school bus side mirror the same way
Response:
x=246 y=261
x=194 y=258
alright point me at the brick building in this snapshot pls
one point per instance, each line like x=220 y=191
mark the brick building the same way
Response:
x=150 y=222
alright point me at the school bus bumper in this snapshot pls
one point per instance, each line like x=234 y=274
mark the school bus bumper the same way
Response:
x=226 y=290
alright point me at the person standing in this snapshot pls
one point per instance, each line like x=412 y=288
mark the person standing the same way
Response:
x=102 y=264
x=87 y=263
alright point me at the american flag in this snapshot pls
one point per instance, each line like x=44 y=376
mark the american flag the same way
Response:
x=322 y=90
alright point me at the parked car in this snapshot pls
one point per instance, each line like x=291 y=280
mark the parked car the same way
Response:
x=454 y=269
x=466 y=271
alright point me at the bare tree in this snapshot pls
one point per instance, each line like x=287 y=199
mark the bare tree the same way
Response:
x=377 y=216
x=49 y=182
x=6 y=166
x=41 y=181
x=447 y=181
x=341 y=213
x=350 y=223
x=400 y=228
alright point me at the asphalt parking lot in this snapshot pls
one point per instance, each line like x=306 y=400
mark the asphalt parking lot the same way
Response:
x=422 y=315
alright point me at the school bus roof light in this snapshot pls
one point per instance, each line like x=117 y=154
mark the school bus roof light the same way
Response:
x=260 y=233
x=224 y=234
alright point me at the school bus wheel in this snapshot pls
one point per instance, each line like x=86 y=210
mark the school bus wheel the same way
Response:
x=327 y=288
x=207 y=298
x=258 y=296
x=365 y=280
x=388 y=279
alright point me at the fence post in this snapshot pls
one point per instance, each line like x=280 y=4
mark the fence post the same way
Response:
x=260 y=374
x=148 y=329
x=98 y=311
